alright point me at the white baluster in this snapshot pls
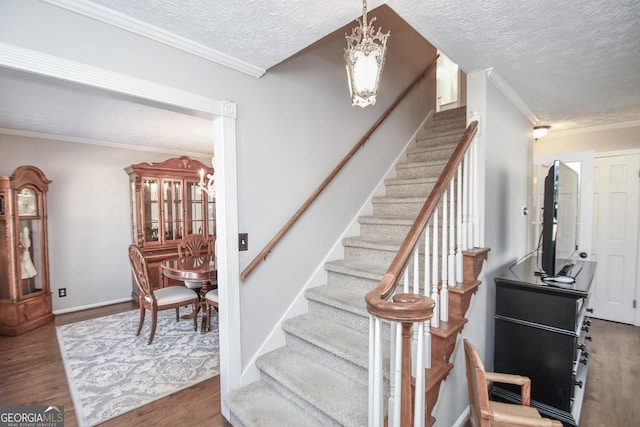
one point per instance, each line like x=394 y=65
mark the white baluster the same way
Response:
x=435 y=320
x=418 y=414
x=427 y=289
x=459 y=226
x=444 y=290
x=465 y=203
x=396 y=380
x=416 y=270
x=375 y=374
x=453 y=279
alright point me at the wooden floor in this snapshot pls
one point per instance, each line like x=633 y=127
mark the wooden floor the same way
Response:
x=32 y=373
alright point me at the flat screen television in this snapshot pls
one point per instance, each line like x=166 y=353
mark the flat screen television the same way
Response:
x=560 y=219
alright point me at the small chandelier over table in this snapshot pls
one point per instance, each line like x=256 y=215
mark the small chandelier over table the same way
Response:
x=364 y=58
x=210 y=187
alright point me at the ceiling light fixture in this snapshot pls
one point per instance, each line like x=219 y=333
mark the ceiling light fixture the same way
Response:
x=364 y=58
x=540 y=131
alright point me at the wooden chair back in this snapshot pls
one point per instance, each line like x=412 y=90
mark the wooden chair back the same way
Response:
x=140 y=272
x=477 y=385
x=195 y=245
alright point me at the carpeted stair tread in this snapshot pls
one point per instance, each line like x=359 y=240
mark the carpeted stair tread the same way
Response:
x=373 y=242
x=273 y=410
x=408 y=181
x=344 y=342
x=357 y=268
x=341 y=298
x=394 y=200
x=328 y=391
x=411 y=165
x=387 y=219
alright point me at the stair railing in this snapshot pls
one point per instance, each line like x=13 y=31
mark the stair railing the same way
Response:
x=445 y=227
x=285 y=228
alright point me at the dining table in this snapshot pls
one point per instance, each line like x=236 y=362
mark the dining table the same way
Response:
x=200 y=269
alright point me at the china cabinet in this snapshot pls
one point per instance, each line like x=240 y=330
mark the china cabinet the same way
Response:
x=25 y=296
x=167 y=206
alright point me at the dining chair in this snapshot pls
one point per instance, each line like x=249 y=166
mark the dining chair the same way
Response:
x=487 y=413
x=195 y=245
x=211 y=298
x=159 y=299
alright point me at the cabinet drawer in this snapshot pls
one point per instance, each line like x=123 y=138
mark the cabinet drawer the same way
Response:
x=533 y=306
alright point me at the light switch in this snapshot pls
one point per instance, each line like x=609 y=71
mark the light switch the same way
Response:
x=243 y=241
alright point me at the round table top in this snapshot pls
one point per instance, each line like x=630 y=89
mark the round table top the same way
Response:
x=195 y=269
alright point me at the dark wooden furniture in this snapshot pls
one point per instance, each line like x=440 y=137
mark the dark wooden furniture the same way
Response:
x=200 y=269
x=487 y=413
x=165 y=207
x=158 y=299
x=541 y=331
x=25 y=295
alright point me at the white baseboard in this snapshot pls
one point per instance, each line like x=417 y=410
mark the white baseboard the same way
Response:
x=85 y=307
x=463 y=418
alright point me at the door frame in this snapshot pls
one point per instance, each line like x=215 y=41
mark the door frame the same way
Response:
x=223 y=118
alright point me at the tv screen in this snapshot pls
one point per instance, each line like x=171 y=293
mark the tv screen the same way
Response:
x=559 y=219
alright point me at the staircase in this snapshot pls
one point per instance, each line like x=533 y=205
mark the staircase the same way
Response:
x=320 y=378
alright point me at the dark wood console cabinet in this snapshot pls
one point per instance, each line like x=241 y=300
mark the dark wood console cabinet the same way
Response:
x=541 y=331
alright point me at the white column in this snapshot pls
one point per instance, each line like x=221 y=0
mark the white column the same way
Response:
x=444 y=290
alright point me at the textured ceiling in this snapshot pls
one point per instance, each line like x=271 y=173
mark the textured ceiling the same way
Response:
x=575 y=64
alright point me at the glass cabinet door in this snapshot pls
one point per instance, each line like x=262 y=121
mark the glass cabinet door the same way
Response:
x=211 y=216
x=172 y=202
x=4 y=256
x=151 y=210
x=195 y=209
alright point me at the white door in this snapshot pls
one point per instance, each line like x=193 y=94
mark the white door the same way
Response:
x=615 y=237
x=582 y=163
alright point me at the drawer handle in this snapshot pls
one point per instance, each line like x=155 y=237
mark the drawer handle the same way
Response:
x=588 y=338
x=578 y=383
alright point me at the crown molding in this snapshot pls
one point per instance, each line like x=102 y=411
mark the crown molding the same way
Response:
x=591 y=129
x=511 y=94
x=116 y=19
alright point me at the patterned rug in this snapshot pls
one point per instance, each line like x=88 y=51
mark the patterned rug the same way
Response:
x=111 y=371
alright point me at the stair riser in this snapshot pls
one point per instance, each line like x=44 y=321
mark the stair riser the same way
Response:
x=407 y=209
x=444 y=128
x=410 y=190
x=437 y=141
x=419 y=171
x=425 y=155
x=354 y=283
x=323 y=418
x=333 y=314
x=345 y=367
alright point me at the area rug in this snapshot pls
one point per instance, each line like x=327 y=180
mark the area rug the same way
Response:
x=111 y=371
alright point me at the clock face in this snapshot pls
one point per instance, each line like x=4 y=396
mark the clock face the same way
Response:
x=27 y=202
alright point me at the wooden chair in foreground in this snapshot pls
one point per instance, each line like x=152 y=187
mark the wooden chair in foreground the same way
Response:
x=159 y=299
x=486 y=413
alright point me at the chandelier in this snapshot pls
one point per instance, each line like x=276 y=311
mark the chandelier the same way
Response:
x=210 y=187
x=364 y=58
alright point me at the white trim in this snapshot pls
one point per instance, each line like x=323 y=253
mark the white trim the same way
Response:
x=463 y=418
x=117 y=19
x=511 y=94
x=629 y=152
x=223 y=115
x=600 y=128
x=88 y=306
x=40 y=63
x=73 y=139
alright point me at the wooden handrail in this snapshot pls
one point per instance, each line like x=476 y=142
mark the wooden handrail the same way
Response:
x=377 y=299
x=285 y=228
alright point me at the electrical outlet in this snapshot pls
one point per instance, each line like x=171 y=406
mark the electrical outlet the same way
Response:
x=62 y=292
x=243 y=241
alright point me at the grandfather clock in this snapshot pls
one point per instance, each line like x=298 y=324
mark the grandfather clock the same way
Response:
x=25 y=296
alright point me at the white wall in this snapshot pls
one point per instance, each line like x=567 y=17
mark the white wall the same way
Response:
x=89 y=214
x=294 y=125
x=505 y=145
